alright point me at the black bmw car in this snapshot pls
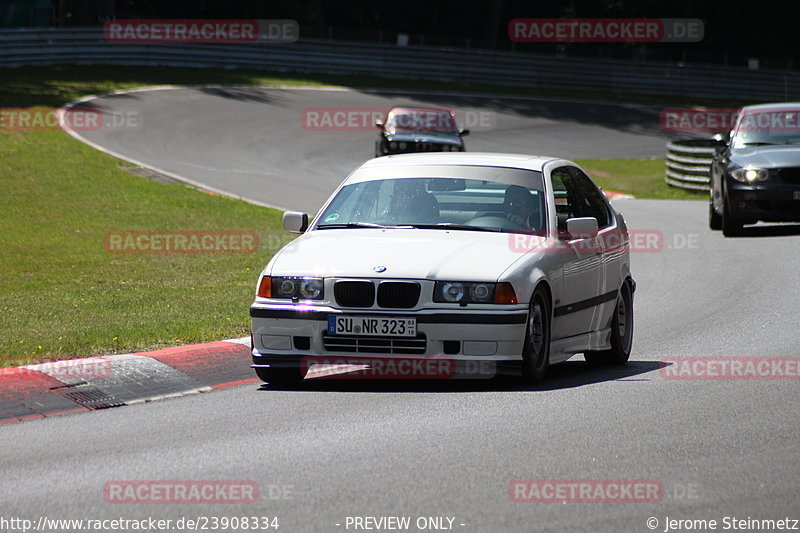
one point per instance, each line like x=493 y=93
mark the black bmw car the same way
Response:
x=755 y=175
x=419 y=129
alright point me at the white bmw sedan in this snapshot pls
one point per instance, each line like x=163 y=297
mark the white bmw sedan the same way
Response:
x=429 y=265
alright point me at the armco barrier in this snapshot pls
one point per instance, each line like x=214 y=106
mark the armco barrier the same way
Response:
x=689 y=163
x=86 y=46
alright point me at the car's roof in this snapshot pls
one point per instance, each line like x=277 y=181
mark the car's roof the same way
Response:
x=488 y=159
x=777 y=106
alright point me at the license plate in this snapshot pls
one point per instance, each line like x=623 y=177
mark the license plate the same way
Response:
x=796 y=195
x=372 y=326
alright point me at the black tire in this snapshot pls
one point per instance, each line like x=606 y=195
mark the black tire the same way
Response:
x=621 y=332
x=282 y=376
x=714 y=218
x=536 y=352
x=731 y=227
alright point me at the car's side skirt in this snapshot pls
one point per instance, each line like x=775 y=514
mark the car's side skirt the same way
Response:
x=563 y=349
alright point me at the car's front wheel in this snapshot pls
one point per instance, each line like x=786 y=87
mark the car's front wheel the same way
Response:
x=714 y=219
x=283 y=375
x=536 y=352
x=731 y=227
x=621 y=332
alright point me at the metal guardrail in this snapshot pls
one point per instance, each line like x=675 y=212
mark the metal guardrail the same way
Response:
x=689 y=163
x=86 y=46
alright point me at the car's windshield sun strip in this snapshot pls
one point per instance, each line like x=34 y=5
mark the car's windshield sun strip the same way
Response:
x=448 y=225
x=352 y=225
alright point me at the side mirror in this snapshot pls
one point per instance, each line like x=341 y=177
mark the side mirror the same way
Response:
x=582 y=228
x=379 y=124
x=295 y=222
x=464 y=132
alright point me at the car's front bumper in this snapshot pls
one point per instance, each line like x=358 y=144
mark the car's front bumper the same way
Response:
x=287 y=334
x=769 y=202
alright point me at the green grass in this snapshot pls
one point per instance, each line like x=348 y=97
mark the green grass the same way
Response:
x=64 y=295
x=643 y=178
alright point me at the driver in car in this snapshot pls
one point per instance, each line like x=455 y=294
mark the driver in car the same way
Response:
x=413 y=204
x=519 y=206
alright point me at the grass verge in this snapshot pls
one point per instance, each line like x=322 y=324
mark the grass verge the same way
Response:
x=64 y=294
x=643 y=178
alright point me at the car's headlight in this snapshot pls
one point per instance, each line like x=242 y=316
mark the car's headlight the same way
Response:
x=311 y=289
x=471 y=292
x=480 y=292
x=403 y=146
x=291 y=288
x=452 y=292
x=393 y=145
x=750 y=174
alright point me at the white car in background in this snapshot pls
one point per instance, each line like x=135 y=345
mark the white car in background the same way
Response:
x=477 y=258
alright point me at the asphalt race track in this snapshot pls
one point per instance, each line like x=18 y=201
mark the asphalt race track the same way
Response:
x=333 y=449
x=256 y=143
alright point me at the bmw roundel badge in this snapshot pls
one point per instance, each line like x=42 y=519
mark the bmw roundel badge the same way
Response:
x=379 y=268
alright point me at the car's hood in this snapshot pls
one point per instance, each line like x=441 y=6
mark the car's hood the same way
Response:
x=780 y=156
x=423 y=136
x=405 y=253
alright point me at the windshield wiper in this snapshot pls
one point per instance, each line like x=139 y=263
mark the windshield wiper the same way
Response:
x=350 y=225
x=759 y=143
x=448 y=225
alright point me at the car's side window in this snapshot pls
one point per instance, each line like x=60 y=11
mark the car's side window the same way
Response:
x=592 y=203
x=566 y=196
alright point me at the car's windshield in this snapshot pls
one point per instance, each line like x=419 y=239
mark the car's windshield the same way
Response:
x=422 y=120
x=446 y=203
x=768 y=128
